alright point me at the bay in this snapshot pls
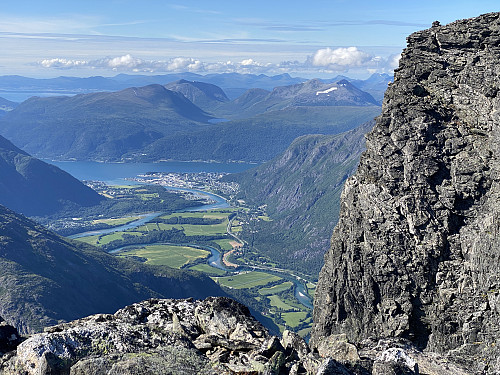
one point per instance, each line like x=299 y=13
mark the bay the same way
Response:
x=116 y=173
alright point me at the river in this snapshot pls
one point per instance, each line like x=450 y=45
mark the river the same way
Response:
x=119 y=173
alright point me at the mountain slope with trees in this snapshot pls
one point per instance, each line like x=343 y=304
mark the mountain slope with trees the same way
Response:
x=101 y=126
x=33 y=187
x=301 y=189
x=46 y=279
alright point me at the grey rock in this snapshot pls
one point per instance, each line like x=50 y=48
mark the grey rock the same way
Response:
x=332 y=367
x=415 y=254
x=151 y=337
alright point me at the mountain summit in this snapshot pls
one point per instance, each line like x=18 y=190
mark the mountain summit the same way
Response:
x=416 y=252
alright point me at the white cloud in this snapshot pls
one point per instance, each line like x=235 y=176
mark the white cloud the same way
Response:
x=325 y=60
x=184 y=64
x=393 y=61
x=340 y=57
x=126 y=61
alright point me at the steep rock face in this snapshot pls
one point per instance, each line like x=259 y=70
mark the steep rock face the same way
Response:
x=416 y=252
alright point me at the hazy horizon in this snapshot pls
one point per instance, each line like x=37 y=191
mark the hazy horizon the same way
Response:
x=320 y=39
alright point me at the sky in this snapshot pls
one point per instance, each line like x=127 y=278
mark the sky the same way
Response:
x=315 y=38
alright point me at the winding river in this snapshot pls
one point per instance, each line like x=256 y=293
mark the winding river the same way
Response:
x=116 y=173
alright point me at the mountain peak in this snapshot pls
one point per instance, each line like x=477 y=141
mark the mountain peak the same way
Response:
x=414 y=255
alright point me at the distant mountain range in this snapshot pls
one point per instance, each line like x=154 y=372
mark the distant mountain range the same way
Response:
x=312 y=93
x=153 y=123
x=233 y=84
x=46 y=279
x=32 y=187
x=100 y=126
x=301 y=188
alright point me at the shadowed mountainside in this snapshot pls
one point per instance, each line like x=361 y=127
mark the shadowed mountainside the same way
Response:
x=33 y=187
x=301 y=189
x=46 y=279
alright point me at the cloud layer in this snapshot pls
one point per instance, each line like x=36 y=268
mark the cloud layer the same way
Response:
x=323 y=60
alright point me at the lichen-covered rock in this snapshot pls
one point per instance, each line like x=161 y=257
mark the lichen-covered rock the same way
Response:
x=214 y=336
x=416 y=252
x=163 y=336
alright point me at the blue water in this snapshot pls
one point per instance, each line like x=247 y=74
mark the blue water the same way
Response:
x=219 y=202
x=115 y=173
x=134 y=224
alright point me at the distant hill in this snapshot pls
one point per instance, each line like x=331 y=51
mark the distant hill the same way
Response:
x=301 y=188
x=313 y=93
x=234 y=84
x=6 y=106
x=101 y=126
x=260 y=138
x=46 y=279
x=376 y=85
x=203 y=95
x=153 y=123
x=32 y=187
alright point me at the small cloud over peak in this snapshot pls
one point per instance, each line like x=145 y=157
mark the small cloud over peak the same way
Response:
x=126 y=61
x=340 y=57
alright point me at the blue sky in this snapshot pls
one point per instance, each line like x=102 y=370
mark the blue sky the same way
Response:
x=307 y=38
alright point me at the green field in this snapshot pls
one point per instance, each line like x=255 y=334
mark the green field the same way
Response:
x=117 y=221
x=105 y=239
x=276 y=289
x=277 y=302
x=191 y=229
x=205 y=268
x=167 y=255
x=294 y=319
x=250 y=279
x=202 y=215
x=225 y=244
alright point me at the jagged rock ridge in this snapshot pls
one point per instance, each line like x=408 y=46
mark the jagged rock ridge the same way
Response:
x=416 y=251
x=214 y=336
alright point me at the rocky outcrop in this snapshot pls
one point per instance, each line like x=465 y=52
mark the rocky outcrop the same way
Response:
x=214 y=336
x=415 y=254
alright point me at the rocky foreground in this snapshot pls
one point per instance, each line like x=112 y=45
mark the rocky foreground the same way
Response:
x=214 y=336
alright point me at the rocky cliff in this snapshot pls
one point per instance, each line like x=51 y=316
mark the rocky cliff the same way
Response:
x=416 y=252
